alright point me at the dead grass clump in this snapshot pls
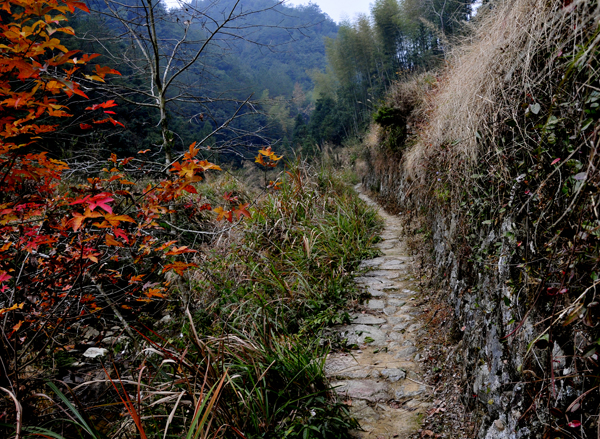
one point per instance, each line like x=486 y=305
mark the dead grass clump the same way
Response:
x=373 y=137
x=408 y=96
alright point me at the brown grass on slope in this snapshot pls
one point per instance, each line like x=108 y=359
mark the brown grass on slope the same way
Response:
x=490 y=76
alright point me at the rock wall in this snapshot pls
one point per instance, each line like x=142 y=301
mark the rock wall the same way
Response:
x=491 y=360
x=498 y=171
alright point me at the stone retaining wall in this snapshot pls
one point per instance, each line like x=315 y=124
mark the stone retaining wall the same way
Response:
x=489 y=360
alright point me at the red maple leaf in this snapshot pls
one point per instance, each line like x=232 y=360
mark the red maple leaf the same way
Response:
x=101 y=200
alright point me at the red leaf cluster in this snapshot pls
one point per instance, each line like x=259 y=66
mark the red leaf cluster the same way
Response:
x=64 y=249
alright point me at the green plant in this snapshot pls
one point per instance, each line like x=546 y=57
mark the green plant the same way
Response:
x=79 y=421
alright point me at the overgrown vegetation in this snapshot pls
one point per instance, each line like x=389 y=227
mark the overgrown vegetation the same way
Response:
x=503 y=170
x=131 y=306
x=246 y=326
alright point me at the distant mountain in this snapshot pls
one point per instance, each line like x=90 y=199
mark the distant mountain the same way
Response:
x=267 y=53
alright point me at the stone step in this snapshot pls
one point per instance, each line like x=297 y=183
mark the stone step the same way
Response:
x=380 y=380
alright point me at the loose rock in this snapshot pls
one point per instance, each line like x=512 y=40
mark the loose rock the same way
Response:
x=95 y=352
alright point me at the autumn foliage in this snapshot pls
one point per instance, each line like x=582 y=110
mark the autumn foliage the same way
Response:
x=70 y=253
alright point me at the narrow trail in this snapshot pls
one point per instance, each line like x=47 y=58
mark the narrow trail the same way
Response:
x=381 y=380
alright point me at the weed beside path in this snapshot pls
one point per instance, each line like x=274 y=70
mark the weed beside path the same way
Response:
x=236 y=347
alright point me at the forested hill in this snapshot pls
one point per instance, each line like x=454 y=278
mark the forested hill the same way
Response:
x=368 y=55
x=282 y=45
x=260 y=50
x=236 y=75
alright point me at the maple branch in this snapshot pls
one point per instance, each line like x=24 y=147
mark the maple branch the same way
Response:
x=202 y=232
x=113 y=306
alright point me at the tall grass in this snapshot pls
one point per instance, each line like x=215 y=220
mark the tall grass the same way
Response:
x=297 y=253
x=245 y=357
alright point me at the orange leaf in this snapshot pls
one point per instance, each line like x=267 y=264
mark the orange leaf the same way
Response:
x=108 y=119
x=116 y=122
x=111 y=241
x=75 y=4
x=103 y=71
x=179 y=267
x=115 y=220
x=135 y=279
x=259 y=159
x=266 y=152
x=180 y=250
x=87 y=57
x=154 y=292
x=108 y=104
x=208 y=165
x=102 y=225
x=242 y=211
x=192 y=152
x=67 y=30
x=187 y=170
x=12 y=308
x=269 y=154
x=221 y=213
x=78 y=219
x=166 y=244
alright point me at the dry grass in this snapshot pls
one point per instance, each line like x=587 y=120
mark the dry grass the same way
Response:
x=373 y=136
x=408 y=96
x=489 y=77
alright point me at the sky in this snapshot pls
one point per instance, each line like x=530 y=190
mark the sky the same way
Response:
x=339 y=9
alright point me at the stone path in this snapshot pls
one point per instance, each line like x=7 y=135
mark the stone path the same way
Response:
x=381 y=380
